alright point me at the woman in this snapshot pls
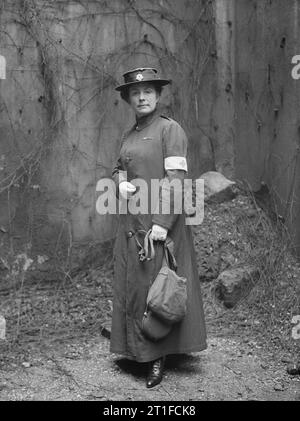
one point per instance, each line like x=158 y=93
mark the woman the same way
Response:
x=154 y=148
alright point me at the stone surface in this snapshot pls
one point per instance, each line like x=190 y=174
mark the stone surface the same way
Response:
x=233 y=284
x=217 y=188
x=209 y=264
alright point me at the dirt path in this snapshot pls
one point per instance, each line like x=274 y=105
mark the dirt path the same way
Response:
x=249 y=347
x=227 y=370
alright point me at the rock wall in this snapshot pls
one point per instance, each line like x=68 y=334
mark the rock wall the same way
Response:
x=267 y=135
x=61 y=119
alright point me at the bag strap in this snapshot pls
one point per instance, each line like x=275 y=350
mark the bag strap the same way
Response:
x=169 y=254
x=147 y=243
x=140 y=247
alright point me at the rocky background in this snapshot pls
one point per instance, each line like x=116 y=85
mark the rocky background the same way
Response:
x=58 y=333
x=60 y=128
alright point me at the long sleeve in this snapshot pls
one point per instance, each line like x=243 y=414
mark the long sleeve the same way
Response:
x=118 y=174
x=175 y=166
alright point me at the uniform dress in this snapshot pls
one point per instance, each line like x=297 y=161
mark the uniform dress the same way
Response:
x=155 y=148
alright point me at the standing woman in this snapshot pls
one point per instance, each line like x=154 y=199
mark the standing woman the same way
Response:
x=154 y=148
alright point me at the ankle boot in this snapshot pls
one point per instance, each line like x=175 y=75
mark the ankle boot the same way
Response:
x=155 y=373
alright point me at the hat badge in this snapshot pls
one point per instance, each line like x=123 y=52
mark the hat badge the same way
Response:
x=139 y=77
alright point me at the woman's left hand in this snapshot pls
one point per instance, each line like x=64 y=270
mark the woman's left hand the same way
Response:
x=158 y=233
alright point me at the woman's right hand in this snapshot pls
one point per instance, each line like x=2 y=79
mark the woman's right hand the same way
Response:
x=126 y=189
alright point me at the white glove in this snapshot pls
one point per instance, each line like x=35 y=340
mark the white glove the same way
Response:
x=126 y=189
x=158 y=233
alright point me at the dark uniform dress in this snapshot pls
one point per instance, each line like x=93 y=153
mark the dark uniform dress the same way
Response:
x=155 y=148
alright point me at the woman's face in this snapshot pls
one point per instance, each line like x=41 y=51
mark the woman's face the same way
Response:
x=143 y=98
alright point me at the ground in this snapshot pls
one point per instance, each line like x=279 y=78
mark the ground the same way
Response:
x=57 y=345
x=229 y=369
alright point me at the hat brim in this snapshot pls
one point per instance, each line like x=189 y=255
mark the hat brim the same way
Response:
x=161 y=82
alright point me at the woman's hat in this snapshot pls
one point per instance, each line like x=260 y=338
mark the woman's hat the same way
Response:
x=142 y=74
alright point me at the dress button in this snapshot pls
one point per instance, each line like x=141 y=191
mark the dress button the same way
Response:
x=129 y=234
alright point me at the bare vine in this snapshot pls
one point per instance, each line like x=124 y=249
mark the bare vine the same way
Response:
x=36 y=19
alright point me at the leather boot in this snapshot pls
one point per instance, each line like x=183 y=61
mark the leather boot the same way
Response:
x=155 y=373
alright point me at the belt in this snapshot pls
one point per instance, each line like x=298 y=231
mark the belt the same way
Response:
x=147 y=243
x=144 y=249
